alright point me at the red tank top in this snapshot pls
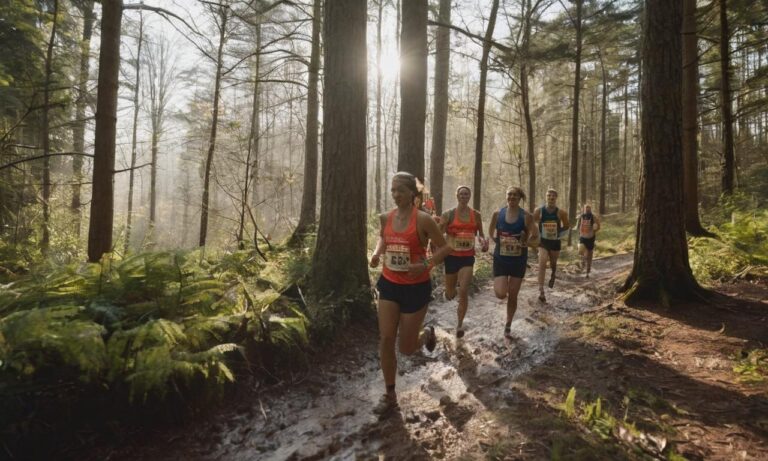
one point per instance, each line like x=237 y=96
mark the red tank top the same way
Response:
x=402 y=249
x=461 y=235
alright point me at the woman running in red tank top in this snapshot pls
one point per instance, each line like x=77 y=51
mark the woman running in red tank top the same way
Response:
x=404 y=286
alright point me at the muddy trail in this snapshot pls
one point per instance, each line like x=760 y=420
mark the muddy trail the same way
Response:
x=450 y=400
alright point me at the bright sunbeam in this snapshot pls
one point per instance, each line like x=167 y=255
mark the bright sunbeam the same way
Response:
x=390 y=63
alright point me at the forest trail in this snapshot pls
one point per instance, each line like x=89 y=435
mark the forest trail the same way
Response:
x=449 y=399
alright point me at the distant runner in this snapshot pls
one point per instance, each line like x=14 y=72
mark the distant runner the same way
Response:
x=461 y=224
x=404 y=286
x=513 y=230
x=588 y=225
x=551 y=222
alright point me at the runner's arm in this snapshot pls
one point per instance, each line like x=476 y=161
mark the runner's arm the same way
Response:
x=533 y=231
x=537 y=216
x=492 y=226
x=379 y=250
x=564 y=219
x=483 y=241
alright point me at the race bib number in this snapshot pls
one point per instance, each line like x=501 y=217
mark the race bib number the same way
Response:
x=510 y=245
x=586 y=227
x=398 y=258
x=463 y=241
x=549 y=230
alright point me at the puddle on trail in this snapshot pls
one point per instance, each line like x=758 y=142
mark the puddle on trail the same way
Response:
x=445 y=397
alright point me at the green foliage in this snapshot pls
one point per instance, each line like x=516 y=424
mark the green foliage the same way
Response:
x=594 y=417
x=742 y=243
x=617 y=234
x=41 y=340
x=752 y=366
x=149 y=324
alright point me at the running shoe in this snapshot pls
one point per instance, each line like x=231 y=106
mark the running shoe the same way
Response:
x=430 y=340
x=387 y=405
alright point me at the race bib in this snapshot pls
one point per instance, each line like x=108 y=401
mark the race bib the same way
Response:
x=463 y=241
x=510 y=245
x=549 y=230
x=586 y=227
x=398 y=257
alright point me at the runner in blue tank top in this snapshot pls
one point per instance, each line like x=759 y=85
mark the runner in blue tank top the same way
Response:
x=550 y=221
x=512 y=229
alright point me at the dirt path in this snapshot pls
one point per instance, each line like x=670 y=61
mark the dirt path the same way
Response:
x=451 y=400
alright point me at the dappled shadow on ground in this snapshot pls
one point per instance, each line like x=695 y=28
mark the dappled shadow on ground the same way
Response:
x=734 y=310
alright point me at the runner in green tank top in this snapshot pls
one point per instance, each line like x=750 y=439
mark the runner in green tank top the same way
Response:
x=551 y=221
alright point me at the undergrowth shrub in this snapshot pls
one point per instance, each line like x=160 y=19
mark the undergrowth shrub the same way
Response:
x=152 y=328
x=741 y=244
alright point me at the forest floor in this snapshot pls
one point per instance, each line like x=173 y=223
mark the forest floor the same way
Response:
x=665 y=381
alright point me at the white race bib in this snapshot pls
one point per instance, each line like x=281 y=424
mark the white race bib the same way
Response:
x=463 y=241
x=397 y=257
x=549 y=230
x=510 y=245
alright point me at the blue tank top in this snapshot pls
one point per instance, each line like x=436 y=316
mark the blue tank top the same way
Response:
x=549 y=226
x=508 y=245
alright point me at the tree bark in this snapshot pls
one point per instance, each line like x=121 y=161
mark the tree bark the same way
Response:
x=339 y=264
x=309 y=195
x=46 y=240
x=131 y=174
x=223 y=13
x=440 y=122
x=624 y=155
x=413 y=87
x=377 y=174
x=728 y=171
x=480 y=137
x=603 y=134
x=661 y=271
x=690 y=120
x=574 y=177
x=526 y=103
x=78 y=128
x=103 y=200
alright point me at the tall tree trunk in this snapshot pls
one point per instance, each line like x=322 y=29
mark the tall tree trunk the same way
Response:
x=728 y=172
x=574 y=177
x=78 y=128
x=103 y=198
x=377 y=173
x=413 y=87
x=624 y=156
x=661 y=271
x=223 y=13
x=309 y=195
x=690 y=120
x=480 y=137
x=46 y=240
x=603 y=134
x=585 y=150
x=252 y=158
x=526 y=103
x=440 y=123
x=339 y=263
x=131 y=174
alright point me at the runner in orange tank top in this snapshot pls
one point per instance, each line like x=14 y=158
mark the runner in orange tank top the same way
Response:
x=461 y=224
x=404 y=286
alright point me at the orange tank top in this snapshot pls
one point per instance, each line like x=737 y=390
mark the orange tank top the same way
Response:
x=402 y=249
x=461 y=235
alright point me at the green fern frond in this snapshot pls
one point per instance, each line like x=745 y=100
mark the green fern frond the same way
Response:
x=51 y=338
